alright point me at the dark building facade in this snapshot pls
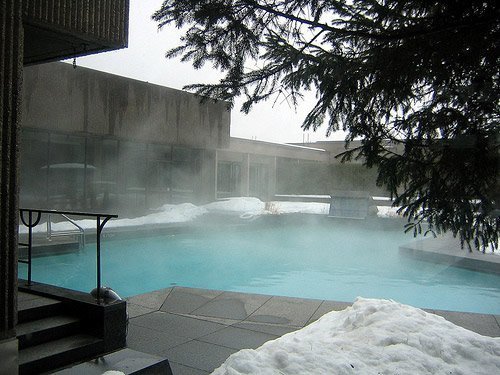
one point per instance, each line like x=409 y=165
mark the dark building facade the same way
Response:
x=96 y=141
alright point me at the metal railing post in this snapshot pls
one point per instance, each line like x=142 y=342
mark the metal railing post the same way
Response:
x=98 y=249
x=32 y=223
x=30 y=244
x=100 y=227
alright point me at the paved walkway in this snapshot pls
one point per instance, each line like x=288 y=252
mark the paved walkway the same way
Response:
x=197 y=329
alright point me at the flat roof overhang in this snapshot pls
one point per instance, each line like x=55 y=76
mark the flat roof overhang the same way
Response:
x=71 y=29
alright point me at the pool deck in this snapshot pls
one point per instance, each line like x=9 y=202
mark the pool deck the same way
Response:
x=447 y=249
x=197 y=329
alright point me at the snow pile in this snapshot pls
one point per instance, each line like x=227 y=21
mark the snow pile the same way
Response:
x=372 y=337
x=166 y=214
x=254 y=206
x=301 y=207
x=185 y=212
x=237 y=205
x=388 y=212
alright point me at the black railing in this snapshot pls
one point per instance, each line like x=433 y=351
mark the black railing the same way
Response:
x=33 y=219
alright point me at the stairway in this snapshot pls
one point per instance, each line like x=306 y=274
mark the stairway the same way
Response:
x=52 y=340
x=49 y=337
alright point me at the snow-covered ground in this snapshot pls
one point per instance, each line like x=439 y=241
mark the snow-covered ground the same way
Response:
x=166 y=214
x=372 y=337
x=254 y=206
x=388 y=212
x=239 y=205
x=244 y=207
x=185 y=212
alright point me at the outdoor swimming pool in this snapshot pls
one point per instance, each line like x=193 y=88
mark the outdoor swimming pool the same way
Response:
x=327 y=259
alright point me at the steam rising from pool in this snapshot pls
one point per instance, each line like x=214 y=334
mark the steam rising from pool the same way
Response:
x=238 y=245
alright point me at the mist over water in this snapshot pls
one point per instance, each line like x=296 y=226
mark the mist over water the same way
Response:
x=306 y=256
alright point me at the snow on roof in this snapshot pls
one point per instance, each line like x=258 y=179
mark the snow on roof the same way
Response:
x=372 y=337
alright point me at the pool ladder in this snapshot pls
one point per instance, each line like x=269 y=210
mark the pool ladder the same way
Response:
x=79 y=232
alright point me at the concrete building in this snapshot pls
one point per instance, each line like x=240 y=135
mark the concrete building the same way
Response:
x=94 y=141
x=113 y=142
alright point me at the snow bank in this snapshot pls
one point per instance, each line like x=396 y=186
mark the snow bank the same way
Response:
x=186 y=212
x=372 y=337
x=388 y=212
x=254 y=206
x=301 y=207
x=166 y=214
x=237 y=205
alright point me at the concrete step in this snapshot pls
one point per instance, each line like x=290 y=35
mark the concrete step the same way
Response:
x=58 y=353
x=38 y=308
x=46 y=329
x=126 y=360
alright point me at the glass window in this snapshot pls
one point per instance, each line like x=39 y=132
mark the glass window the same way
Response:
x=228 y=179
x=66 y=171
x=181 y=154
x=132 y=157
x=33 y=176
x=258 y=180
x=132 y=180
x=101 y=191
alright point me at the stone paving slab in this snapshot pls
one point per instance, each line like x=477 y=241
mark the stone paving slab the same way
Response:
x=198 y=329
x=294 y=312
x=152 y=341
x=483 y=324
x=326 y=307
x=134 y=311
x=271 y=329
x=178 y=369
x=231 y=305
x=199 y=355
x=153 y=300
x=446 y=249
x=224 y=321
x=186 y=300
x=238 y=338
x=176 y=325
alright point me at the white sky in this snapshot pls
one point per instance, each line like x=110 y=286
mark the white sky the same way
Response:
x=144 y=59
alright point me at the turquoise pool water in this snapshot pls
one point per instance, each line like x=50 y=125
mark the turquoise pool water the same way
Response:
x=332 y=260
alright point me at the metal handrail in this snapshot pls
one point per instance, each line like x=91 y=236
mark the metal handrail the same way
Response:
x=33 y=222
x=79 y=230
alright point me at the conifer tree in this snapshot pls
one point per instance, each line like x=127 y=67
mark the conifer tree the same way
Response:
x=419 y=75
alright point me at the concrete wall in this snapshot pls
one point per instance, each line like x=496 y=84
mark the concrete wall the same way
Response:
x=58 y=97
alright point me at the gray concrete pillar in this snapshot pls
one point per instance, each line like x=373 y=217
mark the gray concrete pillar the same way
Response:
x=272 y=179
x=11 y=65
x=245 y=176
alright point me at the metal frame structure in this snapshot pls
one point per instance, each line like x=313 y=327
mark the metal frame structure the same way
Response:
x=33 y=219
